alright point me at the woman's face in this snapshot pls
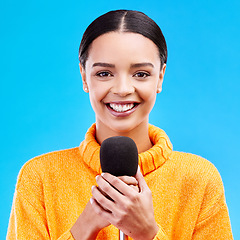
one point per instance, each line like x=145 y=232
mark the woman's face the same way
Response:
x=122 y=75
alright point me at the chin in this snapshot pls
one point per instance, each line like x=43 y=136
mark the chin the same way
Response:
x=122 y=128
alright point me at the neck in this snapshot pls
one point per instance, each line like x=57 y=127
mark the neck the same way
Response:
x=139 y=135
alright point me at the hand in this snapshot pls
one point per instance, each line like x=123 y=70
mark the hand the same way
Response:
x=130 y=181
x=88 y=224
x=130 y=211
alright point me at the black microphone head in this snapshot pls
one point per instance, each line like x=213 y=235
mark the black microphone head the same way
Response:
x=119 y=156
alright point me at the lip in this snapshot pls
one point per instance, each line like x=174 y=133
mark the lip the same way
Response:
x=122 y=114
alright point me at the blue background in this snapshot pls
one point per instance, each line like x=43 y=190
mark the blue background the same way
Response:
x=43 y=106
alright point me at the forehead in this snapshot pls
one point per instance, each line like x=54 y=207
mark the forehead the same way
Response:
x=123 y=46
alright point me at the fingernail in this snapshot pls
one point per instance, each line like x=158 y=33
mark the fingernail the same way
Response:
x=91 y=200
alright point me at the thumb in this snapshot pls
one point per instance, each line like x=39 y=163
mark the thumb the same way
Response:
x=141 y=181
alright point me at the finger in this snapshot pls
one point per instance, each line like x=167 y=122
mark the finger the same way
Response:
x=101 y=199
x=135 y=188
x=99 y=209
x=141 y=181
x=129 y=180
x=104 y=193
x=113 y=193
x=118 y=184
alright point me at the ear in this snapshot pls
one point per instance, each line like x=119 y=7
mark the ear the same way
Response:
x=160 y=80
x=84 y=80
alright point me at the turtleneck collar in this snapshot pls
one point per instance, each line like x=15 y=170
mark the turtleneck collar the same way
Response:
x=148 y=160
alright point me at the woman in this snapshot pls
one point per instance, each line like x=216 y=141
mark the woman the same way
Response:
x=174 y=195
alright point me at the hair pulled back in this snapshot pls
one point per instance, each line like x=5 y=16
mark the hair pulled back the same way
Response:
x=123 y=21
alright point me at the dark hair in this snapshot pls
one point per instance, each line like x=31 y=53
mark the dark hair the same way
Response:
x=123 y=21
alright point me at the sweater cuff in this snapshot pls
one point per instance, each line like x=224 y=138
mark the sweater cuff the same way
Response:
x=160 y=234
x=66 y=236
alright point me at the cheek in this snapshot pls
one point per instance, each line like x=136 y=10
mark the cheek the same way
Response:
x=95 y=97
x=96 y=90
x=96 y=94
x=149 y=98
x=148 y=92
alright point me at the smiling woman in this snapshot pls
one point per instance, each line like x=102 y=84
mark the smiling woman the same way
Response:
x=123 y=77
x=174 y=195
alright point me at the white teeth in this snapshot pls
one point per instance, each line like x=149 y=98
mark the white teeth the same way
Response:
x=121 y=107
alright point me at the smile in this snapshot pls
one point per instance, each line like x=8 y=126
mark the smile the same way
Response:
x=122 y=109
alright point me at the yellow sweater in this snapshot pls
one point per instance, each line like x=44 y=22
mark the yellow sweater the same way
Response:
x=53 y=189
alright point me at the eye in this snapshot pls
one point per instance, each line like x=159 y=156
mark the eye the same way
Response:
x=141 y=74
x=104 y=74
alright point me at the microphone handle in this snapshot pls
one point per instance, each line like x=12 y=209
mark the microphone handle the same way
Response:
x=122 y=236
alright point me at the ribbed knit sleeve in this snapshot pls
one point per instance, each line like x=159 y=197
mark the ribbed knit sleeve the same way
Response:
x=213 y=221
x=28 y=217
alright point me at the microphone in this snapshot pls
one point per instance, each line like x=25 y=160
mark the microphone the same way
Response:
x=119 y=157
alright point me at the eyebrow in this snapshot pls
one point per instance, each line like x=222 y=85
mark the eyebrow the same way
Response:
x=102 y=64
x=135 y=65
x=144 y=64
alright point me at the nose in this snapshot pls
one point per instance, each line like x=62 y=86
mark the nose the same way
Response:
x=123 y=86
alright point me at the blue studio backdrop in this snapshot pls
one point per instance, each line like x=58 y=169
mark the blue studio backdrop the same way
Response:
x=43 y=106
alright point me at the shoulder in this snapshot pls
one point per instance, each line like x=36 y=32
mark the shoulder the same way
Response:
x=196 y=169
x=37 y=167
x=56 y=157
x=200 y=180
x=192 y=162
